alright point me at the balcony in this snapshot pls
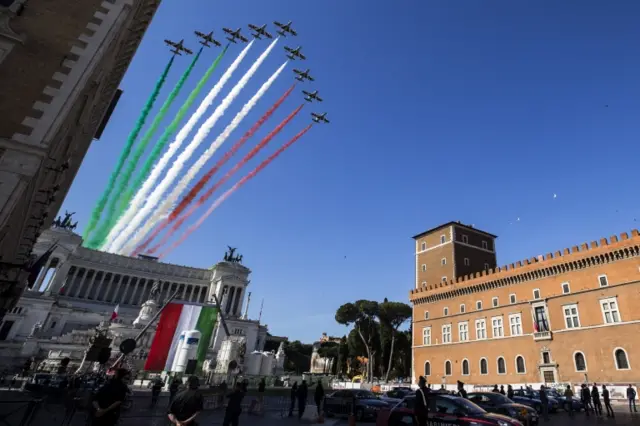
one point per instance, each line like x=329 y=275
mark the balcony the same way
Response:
x=542 y=335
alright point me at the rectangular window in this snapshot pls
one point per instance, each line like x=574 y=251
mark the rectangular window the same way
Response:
x=565 y=288
x=465 y=239
x=515 y=324
x=463 y=331
x=426 y=314
x=610 y=311
x=494 y=302
x=443 y=239
x=424 y=283
x=546 y=358
x=481 y=329
x=463 y=308
x=445 y=311
x=540 y=319
x=479 y=305
x=444 y=279
x=466 y=261
x=5 y=329
x=571 y=316
x=603 y=280
x=446 y=333
x=485 y=245
x=497 y=326
x=423 y=246
x=512 y=298
x=426 y=336
x=536 y=293
x=424 y=267
x=486 y=266
x=443 y=261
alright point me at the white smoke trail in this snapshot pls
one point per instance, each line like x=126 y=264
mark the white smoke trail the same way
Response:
x=156 y=196
x=168 y=204
x=141 y=196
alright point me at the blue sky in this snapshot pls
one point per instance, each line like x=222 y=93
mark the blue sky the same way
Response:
x=441 y=110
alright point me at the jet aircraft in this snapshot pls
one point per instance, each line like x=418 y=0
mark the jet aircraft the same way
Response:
x=234 y=35
x=177 y=48
x=310 y=96
x=207 y=38
x=285 y=28
x=302 y=75
x=260 y=31
x=294 y=53
x=319 y=117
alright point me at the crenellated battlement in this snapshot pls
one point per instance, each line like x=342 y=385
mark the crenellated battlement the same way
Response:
x=576 y=257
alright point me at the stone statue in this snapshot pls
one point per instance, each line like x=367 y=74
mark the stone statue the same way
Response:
x=66 y=222
x=36 y=328
x=230 y=256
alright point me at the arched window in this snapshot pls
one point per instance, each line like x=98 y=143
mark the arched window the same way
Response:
x=581 y=363
x=502 y=367
x=427 y=368
x=520 y=367
x=622 y=362
x=483 y=366
x=447 y=368
x=465 y=367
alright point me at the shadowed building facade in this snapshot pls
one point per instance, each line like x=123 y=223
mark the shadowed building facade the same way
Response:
x=559 y=318
x=60 y=66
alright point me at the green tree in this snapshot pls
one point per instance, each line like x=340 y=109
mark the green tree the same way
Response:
x=392 y=316
x=298 y=356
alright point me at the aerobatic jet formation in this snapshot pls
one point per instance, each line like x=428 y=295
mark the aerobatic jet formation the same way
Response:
x=303 y=75
x=319 y=117
x=207 y=38
x=285 y=28
x=259 y=32
x=310 y=96
x=294 y=53
x=178 y=48
x=235 y=35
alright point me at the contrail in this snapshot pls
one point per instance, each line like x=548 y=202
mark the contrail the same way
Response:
x=141 y=196
x=231 y=190
x=187 y=199
x=116 y=201
x=161 y=212
x=155 y=197
x=102 y=202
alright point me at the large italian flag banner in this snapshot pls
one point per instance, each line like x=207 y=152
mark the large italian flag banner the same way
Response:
x=175 y=319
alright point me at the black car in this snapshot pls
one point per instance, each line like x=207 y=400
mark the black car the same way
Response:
x=367 y=404
x=497 y=403
x=444 y=410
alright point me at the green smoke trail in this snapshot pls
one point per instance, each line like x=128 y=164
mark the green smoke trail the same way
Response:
x=102 y=202
x=112 y=209
x=128 y=192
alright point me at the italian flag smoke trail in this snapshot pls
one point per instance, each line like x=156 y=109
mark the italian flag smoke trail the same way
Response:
x=149 y=185
x=102 y=202
x=231 y=190
x=117 y=202
x=187 y=199
x=156 y=207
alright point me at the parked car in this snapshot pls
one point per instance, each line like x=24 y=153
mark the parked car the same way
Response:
x=531 y=398
x=367 y=404
x=497 y=403
x=443 y=410
x=395 y=395
x=562 y=400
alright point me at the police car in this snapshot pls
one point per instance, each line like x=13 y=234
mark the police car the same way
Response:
x=444 y=410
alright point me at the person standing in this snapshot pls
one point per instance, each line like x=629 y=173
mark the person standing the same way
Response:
x=585 y=395
x=109 y=399
x=174 y=387
x=631 y=396
x=502 y=390
x=156 y=389
x=234 y=407
x=261 y=388
x=421 y=407
x=223 y=393
x=495 y=389
x=544 y=402
x=510 y=392
x=461 y=392
x=294 y=395
x=187 y=405
x=303 y=393
x=595 y=397
x=318 y=397
x=568 y=395
x=607 y=401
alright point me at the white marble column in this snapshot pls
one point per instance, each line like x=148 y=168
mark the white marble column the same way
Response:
x=71 y=282
x=90 y=284
x=42 y=275
x=104 y=275
x=61 y=274
x=82 y=281
x=109 y=287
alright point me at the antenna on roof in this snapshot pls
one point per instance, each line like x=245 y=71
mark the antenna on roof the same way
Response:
x=261 y=306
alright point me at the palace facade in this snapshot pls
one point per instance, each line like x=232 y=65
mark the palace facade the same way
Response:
x=566 y=317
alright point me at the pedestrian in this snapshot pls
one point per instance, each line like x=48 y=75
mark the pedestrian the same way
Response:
x=156 y=389
x=585 y=395
x=261 y=388
x=502 y=390
x=234 y=407
x=223 y=393
x=294 y=395
x=495 y=389
x=510 y=392
x=568 y=396
x=607 y=401
x=303 y=392
x=461 y=392
x=631 y=396
x=544 y=402
x=421 y=407
x=174 y=387
x=109 y=399
x=318 y=397
x=187 y=404
x=595 y=397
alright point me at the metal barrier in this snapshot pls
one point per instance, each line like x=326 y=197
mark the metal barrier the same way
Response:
x=18 y=412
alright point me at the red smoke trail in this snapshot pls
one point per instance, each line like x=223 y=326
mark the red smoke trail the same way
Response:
x=187 y=199
x=225 y=178
x=231 y=190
